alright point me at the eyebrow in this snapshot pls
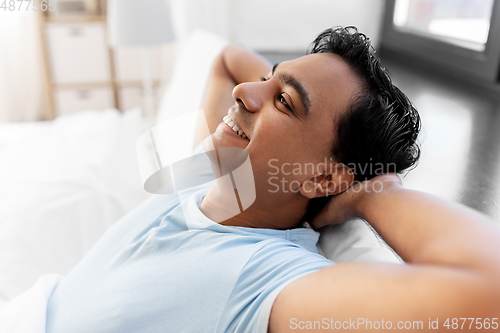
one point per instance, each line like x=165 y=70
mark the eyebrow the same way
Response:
x=289 y=80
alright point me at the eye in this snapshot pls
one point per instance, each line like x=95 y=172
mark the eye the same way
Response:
x=283 y=101
x=263 y=78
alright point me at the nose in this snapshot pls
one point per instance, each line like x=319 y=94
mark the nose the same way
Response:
x=251 y=94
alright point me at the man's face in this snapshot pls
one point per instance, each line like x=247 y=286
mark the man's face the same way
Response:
x=290 y=118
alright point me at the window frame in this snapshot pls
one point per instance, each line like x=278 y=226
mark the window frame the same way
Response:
x=482 y=65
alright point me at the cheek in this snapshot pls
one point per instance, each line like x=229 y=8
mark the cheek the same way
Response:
x=271 y=134
x=278 y=148
x=273 y=143
x=282 y=140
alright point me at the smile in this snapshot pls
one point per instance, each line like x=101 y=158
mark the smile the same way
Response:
x=234 y=127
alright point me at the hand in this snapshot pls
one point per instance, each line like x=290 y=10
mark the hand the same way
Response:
x=344 y=206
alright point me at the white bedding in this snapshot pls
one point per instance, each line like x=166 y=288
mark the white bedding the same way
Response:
x=27 y=312
x=62 y=184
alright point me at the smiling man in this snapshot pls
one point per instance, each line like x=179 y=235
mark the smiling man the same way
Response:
x=289 y=115
x=317 y=124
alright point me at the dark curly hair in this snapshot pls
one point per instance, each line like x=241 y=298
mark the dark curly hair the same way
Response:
x=381 y=126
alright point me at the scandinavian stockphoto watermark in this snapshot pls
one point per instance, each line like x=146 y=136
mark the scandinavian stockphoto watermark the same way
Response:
x=168 y=165
x=281 y=174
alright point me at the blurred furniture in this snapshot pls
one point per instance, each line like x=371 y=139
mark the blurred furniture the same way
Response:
x=141 y=24
x=82 y=71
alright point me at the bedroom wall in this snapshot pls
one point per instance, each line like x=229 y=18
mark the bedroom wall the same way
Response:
x=271 y=25
x=276 y=25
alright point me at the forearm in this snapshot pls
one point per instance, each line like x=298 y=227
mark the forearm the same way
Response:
x=244 y=65
x=234 y=65
x=427 y=230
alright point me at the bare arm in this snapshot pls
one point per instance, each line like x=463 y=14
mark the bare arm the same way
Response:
x=234 y=65
x=454 y=270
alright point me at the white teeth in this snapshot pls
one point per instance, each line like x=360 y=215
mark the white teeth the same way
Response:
x=235 y=127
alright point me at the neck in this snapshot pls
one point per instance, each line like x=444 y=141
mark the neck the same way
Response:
x=223 y=204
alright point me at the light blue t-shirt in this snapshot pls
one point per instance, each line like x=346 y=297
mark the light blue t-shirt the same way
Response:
x=166 y=267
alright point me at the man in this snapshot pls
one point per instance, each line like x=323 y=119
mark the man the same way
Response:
x=163 y=268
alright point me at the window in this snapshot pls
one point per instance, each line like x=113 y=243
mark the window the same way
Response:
x=458 y=35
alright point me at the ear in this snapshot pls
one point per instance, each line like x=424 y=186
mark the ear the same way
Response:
x=331 y=182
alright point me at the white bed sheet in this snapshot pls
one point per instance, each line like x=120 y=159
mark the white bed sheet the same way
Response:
x=62 y=184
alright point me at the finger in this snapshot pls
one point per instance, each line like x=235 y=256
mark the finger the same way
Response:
x=329 y=214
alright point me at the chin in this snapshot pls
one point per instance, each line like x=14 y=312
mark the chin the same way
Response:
x=228 y=155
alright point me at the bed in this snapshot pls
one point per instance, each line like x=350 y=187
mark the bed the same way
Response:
x=64 y=182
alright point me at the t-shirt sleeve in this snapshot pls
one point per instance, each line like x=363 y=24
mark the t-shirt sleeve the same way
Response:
x=277 y=264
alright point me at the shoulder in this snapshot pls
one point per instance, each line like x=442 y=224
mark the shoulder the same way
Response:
x=287 y=255
x=273 y=265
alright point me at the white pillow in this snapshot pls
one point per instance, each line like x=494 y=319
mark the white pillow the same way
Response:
x=63 y=184
x=192 y=68
x=355 y=240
